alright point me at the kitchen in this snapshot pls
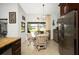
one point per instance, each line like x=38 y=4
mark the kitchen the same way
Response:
x=65 y=34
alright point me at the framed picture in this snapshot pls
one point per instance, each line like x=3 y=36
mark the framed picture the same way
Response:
x=23 y=18
x=12 y=17
x=22 y=27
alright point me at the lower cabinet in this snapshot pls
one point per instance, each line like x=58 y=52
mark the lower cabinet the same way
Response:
x=7 y=52
x=16 y=47
x=55 y=35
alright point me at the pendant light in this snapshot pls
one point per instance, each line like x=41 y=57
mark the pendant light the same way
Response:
x=43 y=16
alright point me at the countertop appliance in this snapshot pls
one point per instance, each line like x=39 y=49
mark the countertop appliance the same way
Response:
x=68 y=33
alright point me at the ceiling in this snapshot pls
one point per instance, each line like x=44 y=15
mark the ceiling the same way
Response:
x=37 y=8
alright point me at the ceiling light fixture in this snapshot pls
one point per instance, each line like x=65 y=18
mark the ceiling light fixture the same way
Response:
x=43 y=13
x=43 y=16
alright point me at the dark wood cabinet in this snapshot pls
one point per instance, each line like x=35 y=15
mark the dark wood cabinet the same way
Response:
x=67 y=7
x=16 y=47
x=63 y=8
x=55 y=35
x=14 y=44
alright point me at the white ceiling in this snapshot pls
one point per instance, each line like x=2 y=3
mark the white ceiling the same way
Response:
x=37 y=8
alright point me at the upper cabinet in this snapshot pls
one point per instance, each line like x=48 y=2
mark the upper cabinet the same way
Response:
x=64 y=8
x=67 y=7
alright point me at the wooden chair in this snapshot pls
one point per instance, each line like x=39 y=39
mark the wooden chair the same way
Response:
x=41 y=42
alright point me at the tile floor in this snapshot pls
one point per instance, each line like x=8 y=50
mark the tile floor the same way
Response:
x=52 y=49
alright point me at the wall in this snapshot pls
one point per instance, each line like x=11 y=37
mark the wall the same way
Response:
x=20 y=14
x=33 y=18
x=13 y=29
x=5 y=8
x=55 y=15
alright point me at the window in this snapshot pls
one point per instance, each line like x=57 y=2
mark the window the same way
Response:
x=36 y=26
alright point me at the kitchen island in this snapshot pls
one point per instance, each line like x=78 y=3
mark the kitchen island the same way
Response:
x=10 y=42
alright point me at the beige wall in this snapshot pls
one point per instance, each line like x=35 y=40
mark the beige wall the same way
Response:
x=48 y=22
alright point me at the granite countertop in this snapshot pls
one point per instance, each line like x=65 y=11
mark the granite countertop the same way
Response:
x=7 y=40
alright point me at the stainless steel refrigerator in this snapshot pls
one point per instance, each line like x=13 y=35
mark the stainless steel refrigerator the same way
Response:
x=68 y=33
